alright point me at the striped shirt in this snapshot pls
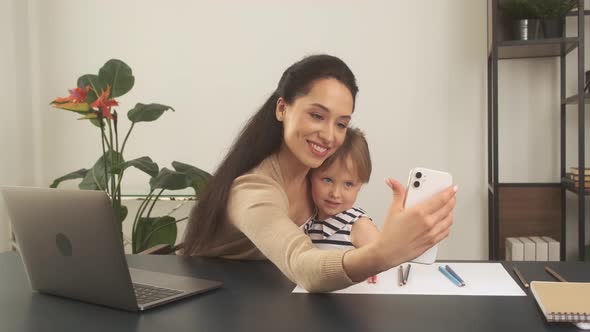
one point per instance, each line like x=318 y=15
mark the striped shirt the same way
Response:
x=334 y=232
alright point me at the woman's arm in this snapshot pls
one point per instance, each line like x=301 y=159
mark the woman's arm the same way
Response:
x=258 y=207
x=363 y=232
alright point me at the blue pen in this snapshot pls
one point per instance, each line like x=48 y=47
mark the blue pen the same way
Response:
x=454 y=274
x=449 y=276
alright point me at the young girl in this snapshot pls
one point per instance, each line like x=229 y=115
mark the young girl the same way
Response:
x=334 y=187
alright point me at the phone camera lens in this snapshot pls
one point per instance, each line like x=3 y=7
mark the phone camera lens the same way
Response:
x=418 y=175
x=416 y=184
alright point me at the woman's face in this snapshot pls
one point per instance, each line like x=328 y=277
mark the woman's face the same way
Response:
x=315 y=124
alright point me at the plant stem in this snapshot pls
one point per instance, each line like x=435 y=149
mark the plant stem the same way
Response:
x=126 y=137
x=147 y=238
x=112 y=162
x=137 y=217
x=154 y=203
x=120 y=174
x=102 y=139
x=143 y=207
x=117 y=188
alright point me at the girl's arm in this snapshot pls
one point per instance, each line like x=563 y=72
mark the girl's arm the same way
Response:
x=363 y=232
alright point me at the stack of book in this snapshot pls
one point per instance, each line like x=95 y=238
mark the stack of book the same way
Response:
x=575 y=176
x=533 y=248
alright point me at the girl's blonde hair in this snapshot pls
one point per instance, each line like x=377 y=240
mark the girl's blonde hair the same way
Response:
x=354 y=153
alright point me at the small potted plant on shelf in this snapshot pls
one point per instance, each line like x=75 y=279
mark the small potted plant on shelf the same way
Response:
x=94 y=99
x=526 y=24
x=552 y=14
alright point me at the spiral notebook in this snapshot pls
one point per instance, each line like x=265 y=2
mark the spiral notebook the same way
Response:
x=563 y=301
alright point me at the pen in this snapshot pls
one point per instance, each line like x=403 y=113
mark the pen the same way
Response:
x=407 y=275
x=520 y=277
x=449 y=276
x=554 y=274
x=400 y=275
x=454 y=274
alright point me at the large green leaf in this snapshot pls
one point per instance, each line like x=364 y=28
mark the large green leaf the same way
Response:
x=197 y=176
x=118 y=75
x=170 y=180
x=147 y=112
x=96 y=86
x=95 y=179
x=79 y=174
x=144 y=164
x=154 y=231
x=121 y=213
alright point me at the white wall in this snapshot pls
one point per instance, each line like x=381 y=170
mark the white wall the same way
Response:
x=17 y=123
x=8 y=95
x=420 y=67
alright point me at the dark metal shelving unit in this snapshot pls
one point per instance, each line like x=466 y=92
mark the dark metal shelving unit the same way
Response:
x=538 y=48
x=499 y=49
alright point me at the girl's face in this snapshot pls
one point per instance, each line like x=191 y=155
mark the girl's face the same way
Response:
x=314 y=125
x=335 y=188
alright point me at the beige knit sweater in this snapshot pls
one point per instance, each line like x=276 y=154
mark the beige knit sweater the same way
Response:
x=259 y=227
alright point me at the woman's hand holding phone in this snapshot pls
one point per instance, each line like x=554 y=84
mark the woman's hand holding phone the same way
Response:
x=407 y=233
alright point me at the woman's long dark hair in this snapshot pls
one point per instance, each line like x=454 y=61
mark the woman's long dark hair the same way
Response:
x=261 y=137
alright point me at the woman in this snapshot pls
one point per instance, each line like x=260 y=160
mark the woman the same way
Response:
x=259 y=197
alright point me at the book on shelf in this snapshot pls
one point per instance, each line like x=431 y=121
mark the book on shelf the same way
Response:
x=553 y=248
x=541 y=248
x=529 y=248
x=586 y=185
x=575 y=179
x=576 y=171
x=532 y=248
x=514 y=249
x=563 y=301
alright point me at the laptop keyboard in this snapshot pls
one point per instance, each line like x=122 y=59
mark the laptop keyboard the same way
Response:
x=146 y=294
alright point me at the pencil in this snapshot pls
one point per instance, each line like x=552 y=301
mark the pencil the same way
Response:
x=407 y=275
x=454 y=274
x=400 y=275
x=520 y=277
x=554 y=274
x=449 y=276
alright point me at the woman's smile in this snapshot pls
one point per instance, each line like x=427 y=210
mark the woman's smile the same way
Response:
x=318 y=150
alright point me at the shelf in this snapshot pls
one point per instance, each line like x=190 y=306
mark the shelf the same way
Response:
x=538 y=48
x=525 y=208
x=573 y=100
x=575 y=13
x=570 y=186
x=528 y=184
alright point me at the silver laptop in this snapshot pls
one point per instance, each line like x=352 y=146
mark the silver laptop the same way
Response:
x=71 y=247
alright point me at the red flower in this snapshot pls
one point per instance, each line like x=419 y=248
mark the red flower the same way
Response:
x=77 y=95
x=76 y=101
x=104 y=104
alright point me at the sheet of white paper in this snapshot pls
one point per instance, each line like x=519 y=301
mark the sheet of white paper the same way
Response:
x=487 y=279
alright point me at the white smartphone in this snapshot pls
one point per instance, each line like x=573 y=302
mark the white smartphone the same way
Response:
x=424 y=183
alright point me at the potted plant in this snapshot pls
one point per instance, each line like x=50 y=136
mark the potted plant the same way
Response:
x=94 y=99
x=552 y=13
x=525 y=19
